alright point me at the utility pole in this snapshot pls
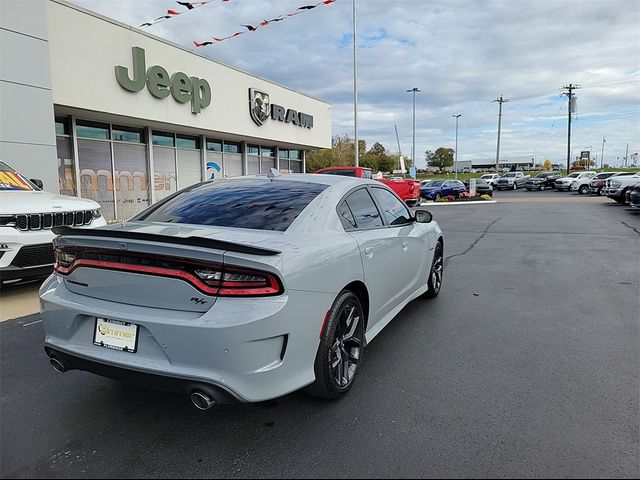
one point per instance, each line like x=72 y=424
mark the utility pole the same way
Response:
x=569 y=93
x=413 y=148
x=355 y=84
x=500 y=101
x=626 y=155
x=399 y=149
x=457 y=117
x=602 y=153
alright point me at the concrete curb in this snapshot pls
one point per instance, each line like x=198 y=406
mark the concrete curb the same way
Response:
x=482 y=202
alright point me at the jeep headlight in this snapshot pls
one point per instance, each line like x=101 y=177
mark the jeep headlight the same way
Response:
x=616 y=183
x=96 y=213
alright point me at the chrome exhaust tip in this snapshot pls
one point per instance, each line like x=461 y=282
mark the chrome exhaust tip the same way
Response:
x=202 y=401
x=57 y=365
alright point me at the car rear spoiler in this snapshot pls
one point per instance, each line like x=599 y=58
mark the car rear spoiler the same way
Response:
x=201 y=242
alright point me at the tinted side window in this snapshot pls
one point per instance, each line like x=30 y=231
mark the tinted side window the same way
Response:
x=394 y=211
x=346 y=217
x=363 y=209
x=255 y=204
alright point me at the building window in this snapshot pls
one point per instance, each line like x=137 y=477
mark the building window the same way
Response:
x=214 y=145
x=184 y=141
x=128 y=134
x=62 y=126
x=253 y=150
x=267 y=151
x=163 y=139
x=97 y=131
x=232 y=147
x=294 y=154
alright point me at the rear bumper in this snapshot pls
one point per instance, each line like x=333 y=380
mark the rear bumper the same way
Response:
x=253 y=349
x=156 y=381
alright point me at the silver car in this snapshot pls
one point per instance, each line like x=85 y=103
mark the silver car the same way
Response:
x=241 y=289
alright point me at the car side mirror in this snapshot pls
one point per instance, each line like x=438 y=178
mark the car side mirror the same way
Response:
x=37 y=182
x=423 y=216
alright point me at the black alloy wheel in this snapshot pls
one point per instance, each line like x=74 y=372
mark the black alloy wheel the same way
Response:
x=436 y=272
x=341 y=347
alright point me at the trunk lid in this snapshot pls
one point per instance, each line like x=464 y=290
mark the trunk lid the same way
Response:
x=155 y=264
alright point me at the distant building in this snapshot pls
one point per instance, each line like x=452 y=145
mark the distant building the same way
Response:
x=524 y=163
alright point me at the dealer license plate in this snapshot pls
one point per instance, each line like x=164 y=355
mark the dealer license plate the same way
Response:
x=116 y=335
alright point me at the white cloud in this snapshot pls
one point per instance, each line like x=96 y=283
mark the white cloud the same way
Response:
x=462 y=54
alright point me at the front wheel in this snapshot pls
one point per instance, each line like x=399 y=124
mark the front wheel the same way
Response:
x=340 y=350
x=583 y=189
x=515 y=186
x=435 y=274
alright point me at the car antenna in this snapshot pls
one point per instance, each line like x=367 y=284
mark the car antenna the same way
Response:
x=273 y=173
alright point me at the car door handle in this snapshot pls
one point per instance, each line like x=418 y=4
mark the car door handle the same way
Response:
x=404 y=246
x=368 y=252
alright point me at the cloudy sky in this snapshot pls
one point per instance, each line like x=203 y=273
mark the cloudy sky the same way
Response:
x=461 y=54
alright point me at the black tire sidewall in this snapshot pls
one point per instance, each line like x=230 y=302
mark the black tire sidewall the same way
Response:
x=325 y=384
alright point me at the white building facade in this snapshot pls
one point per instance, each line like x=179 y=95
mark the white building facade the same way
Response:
x=101 y=110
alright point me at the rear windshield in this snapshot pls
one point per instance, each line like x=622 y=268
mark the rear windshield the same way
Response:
x=12 y=180
x=254 y=204
x=343 y=173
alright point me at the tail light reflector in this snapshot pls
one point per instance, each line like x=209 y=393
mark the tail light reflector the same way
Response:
x=211 y=279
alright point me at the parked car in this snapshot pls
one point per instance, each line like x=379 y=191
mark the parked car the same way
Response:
x=616 y=187
x=542 y=181
x=564 y=183
x=581 y=185
x=436 y=189
x=407 y=190
x=27 y=215
x=597 y=183
x=634 y=196
x=491 y=178
x=511 y=181
x=281 y=292
x=482 y=186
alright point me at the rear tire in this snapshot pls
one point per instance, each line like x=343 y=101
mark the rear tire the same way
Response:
x=435 y=273
x=341 y=348
x=583 y=189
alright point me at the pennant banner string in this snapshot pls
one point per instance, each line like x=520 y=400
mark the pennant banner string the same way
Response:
x=263 y=23
x=174 y=13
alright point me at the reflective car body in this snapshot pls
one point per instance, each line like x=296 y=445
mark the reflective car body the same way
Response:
x=229 y=282
x=433 y=189
x=542 y=181
x=27 y=215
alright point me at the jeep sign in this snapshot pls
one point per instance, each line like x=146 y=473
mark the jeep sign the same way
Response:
x=182 y=87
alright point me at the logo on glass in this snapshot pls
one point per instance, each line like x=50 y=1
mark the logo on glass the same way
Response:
x=259 y=106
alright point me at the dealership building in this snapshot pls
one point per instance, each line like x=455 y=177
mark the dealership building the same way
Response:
x=99 y=109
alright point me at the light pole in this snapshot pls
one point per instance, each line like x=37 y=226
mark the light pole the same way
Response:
x=413 y=148
x=457 y=117
x=355 y=85
x=602 y=153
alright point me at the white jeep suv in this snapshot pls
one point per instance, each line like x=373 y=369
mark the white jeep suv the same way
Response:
x=27 y=215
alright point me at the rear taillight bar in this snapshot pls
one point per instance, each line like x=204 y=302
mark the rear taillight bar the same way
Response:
x=209 y=278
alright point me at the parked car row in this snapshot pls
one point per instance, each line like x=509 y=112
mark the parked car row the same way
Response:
x=620 y=187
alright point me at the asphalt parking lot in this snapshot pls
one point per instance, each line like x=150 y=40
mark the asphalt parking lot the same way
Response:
x=526 y=365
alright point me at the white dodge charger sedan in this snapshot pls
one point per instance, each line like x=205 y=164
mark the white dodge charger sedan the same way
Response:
x=240 y=289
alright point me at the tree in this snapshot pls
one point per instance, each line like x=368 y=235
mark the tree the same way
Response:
x=441 y=158
x=547 y=165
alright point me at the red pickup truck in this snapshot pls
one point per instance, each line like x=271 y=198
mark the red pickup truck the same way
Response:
x=407 y=190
